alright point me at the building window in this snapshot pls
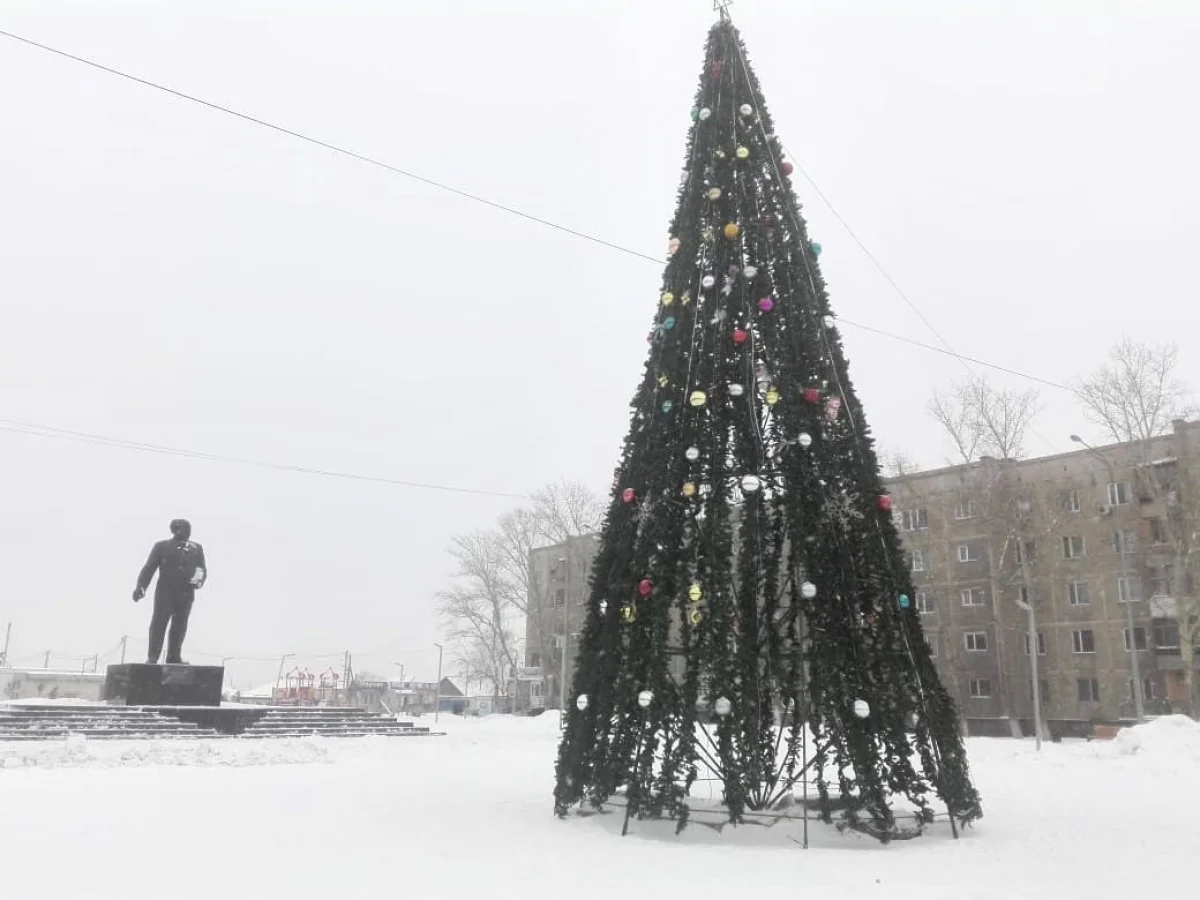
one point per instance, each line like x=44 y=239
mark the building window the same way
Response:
x=533 y=660
x=975 y=641
x=1160 y=582
x=1023 y=595
x=1125 y=541
x=980 y=688
x=1118 y=493
x=968 y=553
x=1158 y=531
x=931 y=640
x=1139 y=637
x=560 y=598
x=1089 y=690
x=913 y=520
x=965 y=509
x=924 y=603
x=1069 y=501
x=1147 y=688
x=1072 y=546
x=1043 y=691
x=1129 y=589
x=1083 y=640
x=1025 y=551
x=1041 y=642
x=1166 y=634
x=1077 y=593
x=918 y=560
x=973 y=596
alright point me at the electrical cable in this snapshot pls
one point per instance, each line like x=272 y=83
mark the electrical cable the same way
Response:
x=519 y=213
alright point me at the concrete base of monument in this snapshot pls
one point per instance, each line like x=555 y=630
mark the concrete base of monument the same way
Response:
x=143 y=684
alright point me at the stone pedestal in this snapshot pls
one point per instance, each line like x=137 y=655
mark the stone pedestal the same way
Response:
x=141 y=684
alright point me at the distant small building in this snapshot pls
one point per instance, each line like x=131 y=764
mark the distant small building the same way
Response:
x=451 y=698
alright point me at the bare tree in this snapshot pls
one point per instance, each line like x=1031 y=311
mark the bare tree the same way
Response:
x=496 y=577
x=897 y=463
x=982 y=420
x=1136 y=397
x=478 y=612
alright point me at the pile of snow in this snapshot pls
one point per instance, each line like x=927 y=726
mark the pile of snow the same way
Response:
x=56 y=701
x=78 y=752
x=1176 y=737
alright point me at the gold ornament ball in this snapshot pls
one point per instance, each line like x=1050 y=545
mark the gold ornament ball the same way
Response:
x=714 y=193
x=697 y=617
x=732 y=230
x=772 y=396
x=695 y=593
x=663 y=380
x=689 y=489
x=698 y=398
x=743 y=152
x=628 y=613
x=668 y=298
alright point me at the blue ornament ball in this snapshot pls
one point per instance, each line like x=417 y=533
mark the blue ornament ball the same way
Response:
x=816 y=249
x=667 y=406
x=695 y=113
x=904 y=601
x=668 y=323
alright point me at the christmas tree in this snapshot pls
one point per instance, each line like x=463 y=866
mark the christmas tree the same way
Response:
x=749 y=613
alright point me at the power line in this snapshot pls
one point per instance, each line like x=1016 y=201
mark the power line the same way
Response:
x=64 y=434
x=949 y=351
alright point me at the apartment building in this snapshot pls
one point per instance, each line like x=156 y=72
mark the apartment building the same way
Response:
x=559 y=592
x=1078 y=538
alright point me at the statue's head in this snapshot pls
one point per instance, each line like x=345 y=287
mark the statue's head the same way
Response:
x=181 y=529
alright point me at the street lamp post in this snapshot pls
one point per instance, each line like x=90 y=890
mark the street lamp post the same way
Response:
x=437 y=697
x=1139 y=704
x=283 y=659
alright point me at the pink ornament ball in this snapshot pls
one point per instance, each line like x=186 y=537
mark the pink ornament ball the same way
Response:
x=739 y=336
x=628 y=495
x=766 y=304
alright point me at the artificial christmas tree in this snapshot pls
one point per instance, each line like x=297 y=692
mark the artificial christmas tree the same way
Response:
x=749 y=617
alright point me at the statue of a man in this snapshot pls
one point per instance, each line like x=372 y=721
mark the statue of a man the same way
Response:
x=181 y=569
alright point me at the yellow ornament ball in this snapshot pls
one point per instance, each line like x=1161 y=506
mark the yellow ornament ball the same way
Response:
x=689 y=489
x=732 y=230
x=697 y=617
x=698 y=398
x=772 y=396
x=695 y=593
x=668 y=298
x=743 y=152
x=628 y=612
x=663 y=380
x=714 y=193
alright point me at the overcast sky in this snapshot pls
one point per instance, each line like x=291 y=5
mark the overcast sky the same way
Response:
x=1028 y=173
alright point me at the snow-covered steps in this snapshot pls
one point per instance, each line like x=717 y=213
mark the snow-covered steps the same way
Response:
x=51 y=721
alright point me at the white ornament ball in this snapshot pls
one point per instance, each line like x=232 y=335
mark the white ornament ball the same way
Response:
x=913 y=720
x=751 y=483
x=750 y=271
x=829 y=321
x=745 y=109
x=603 y=607
x=722 y=706
x=692 y=453
x=705 y=113
x=805 y=439
x=581 y=703
x=808 y=590
x=645 y=698
x=708 y=281
x=736 y=390
x=862 y=708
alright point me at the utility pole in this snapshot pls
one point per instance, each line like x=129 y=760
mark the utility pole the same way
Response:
x=562 y=683
x=46 y=662
x=282 y=660
x=7 y=641
x=1027 y=605
x=437 y=697
x=124 y=644
x=1139 y=701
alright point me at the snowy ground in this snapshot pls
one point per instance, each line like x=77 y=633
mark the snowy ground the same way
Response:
x=468 y=816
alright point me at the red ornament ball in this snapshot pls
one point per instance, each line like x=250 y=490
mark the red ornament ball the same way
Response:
x=645 y=586
x=812 y=395
x=716 y=69
x=884 y=503
x=786 y=167
x=628 y=495
x=739 y=336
